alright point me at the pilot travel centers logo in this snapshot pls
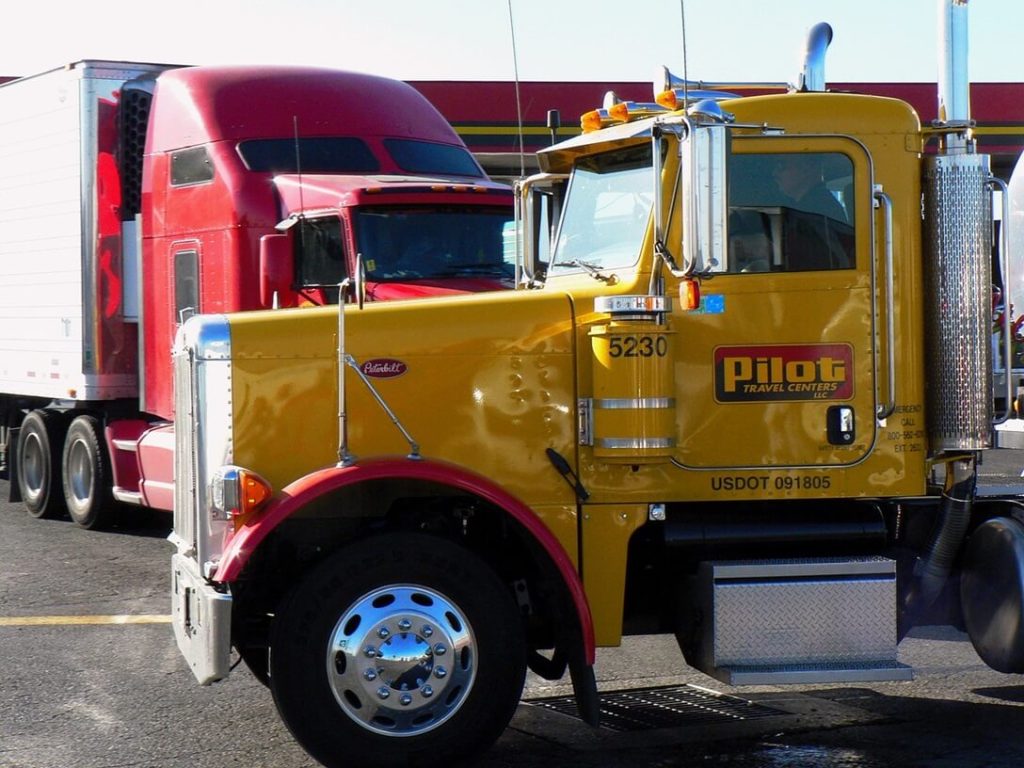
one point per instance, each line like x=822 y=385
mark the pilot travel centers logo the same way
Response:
x=751 y=374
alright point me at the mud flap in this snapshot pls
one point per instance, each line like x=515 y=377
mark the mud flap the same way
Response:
x=584 y=688
x=10 y=472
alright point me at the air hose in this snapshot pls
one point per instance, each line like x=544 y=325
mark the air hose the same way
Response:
x=931 y=571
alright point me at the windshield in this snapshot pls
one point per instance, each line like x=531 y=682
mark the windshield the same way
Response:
x=340 y=154
x=407 y=243
x=424 y=157
x=607 y=208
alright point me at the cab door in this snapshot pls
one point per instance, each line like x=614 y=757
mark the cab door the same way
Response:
x=788 y=329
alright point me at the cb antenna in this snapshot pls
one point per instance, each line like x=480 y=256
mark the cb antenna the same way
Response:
x=519 y=105
x=298 y=158
x=302 y=202
x=686 y=74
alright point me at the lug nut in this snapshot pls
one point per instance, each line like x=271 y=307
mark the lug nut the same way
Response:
x=404 y=625
x=440 y=650
x=440 y=672
x=383 y=692
x=383 y=633
x=370 y=652
x=370 y=674
x=427 y=691
x=406 y=700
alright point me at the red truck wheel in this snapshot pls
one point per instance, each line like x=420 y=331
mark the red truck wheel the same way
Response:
x=86 y=474
x=401 y=650
x=39 y=462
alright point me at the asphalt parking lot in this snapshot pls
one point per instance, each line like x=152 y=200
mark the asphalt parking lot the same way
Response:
x=90 y=678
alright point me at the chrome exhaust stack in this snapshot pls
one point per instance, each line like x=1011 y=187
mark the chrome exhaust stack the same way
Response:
x=954 y=84
x=812 y=76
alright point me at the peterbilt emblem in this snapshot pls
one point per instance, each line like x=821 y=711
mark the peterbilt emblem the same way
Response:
x=383 y=368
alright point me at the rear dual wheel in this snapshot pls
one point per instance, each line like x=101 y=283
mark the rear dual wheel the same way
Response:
x=86 y=474
x=40 y=441
x=64 y=468
x=402 y=650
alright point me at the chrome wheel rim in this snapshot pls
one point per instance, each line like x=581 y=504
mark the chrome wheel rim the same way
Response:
x=33 y=467
x=79 y=470
x=401 y=660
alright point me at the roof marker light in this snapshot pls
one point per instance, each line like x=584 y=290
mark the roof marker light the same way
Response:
x=594 y=120
x=689 y=294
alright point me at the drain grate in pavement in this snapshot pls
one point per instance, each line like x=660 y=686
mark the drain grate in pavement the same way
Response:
x=664 y=707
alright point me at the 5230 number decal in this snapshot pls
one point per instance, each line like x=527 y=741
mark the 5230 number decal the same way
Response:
x=638 y=346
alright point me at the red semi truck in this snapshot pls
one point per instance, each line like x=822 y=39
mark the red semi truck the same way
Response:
x=135 y=195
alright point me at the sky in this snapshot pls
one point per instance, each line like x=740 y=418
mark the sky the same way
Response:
x=589 y=40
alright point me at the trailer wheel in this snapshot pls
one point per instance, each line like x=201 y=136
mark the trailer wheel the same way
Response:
x=401 y=650
x=39 y=476
x=86 y=474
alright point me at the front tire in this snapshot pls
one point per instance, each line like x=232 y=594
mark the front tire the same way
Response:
x=39 y=461
x=86 y=476
x=400 y=650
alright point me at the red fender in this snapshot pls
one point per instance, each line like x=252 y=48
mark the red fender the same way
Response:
x=301 y=492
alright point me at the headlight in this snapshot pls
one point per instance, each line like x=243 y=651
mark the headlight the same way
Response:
x=236 y=492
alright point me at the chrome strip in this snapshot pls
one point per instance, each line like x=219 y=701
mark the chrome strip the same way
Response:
x=1004 y=268
x=633 y=305
x=634 y=403
x=888 y=405
x=635 y=443
x=127 y=497
x=84 y=89
x=585 y=422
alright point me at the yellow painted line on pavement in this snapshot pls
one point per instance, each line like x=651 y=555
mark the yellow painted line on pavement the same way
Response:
x=56 y=621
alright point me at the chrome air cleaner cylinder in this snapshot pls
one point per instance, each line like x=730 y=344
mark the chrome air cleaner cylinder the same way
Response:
x=634 y=409
x=958 y=311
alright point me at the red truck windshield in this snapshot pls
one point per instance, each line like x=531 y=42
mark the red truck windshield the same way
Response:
x=427 y=243
x=408 y=244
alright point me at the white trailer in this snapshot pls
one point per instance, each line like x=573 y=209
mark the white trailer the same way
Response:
x=68 y=298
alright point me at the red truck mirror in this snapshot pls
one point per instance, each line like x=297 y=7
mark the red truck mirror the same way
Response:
x=277 y=267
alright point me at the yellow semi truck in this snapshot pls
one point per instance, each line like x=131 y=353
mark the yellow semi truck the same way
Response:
x=739 y=397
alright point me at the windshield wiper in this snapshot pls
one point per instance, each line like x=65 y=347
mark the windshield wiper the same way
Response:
x=590 y=269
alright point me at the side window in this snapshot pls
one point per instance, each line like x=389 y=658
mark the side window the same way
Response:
x=791 y=212
x=186 y=285
x=320 y=253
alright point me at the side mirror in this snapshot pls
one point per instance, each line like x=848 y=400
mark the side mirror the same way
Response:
x=277 y=267
x=704 y=165
x=538 y=207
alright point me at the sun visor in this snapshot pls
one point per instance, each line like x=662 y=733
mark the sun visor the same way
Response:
x=560 y=157
x=313 y=192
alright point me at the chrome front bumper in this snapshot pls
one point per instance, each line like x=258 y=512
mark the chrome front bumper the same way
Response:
x=202 y=622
